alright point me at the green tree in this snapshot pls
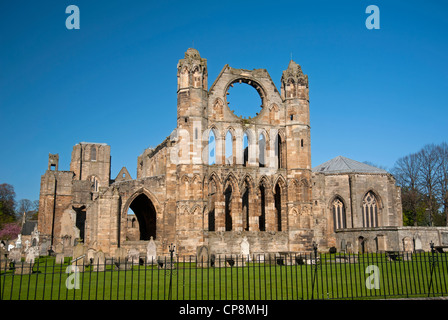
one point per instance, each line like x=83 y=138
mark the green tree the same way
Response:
x=7 y=204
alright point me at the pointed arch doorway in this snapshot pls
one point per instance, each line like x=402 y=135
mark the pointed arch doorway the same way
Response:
x=145 y=212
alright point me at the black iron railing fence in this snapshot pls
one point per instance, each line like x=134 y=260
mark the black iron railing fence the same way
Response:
x=254 y=277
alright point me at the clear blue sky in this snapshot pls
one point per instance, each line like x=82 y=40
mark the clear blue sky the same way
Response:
x=375 y=95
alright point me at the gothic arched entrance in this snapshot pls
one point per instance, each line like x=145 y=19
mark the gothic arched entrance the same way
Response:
x=145 y=213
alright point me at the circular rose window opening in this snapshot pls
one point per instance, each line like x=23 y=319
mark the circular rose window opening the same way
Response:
x=244 y=100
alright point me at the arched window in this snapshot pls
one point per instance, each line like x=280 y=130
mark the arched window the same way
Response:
x=211 y=205
x=93 y=153
x=278 y=206
x=197 y=78
x=245 y=206
x=261 y=150
x=229 y=148
x=339 y=220
x=279 y=151
x=228 y=207
x=262 y=217
x=211 y=148
x=370 y=210
x=291 y=90
x=245 y=149
x=184 y=78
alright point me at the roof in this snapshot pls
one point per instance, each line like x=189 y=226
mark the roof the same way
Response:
x=28 y=227
x=342 y=164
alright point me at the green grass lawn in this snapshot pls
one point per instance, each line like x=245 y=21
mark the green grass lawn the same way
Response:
x=254 y=281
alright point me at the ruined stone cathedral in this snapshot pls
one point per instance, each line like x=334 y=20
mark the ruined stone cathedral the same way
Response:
x=220 y=177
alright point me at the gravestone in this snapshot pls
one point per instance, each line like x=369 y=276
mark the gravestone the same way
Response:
x=29 y=258
x=120 y=255
x=90 y=255
x=99 y=261
x=134 y=256
x=202 y=257
x=79 y=255
x=31 y=254
x=444 y=238
x=151 y=252
x=58 y=248
x=245 y=249
x=19 y=241
x=43 y=248
x=23 y=267
x=15 y=255
x=418 y=244
x=60 y=258
x=121 y=258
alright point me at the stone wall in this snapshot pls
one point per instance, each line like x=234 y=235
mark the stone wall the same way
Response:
x=351 y=188
x=391 y=239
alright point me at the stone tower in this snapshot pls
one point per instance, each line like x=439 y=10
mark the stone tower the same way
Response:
x=192 y=94
x=91 y=161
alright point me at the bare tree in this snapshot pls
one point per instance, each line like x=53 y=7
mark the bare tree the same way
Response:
x=24 y=205
x=443 y=178
x=429 y=172
x=423 y=177
x=406 y=172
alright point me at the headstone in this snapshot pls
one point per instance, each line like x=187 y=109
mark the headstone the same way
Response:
x=260 y=258
x=245 y=249
x=444 y=238
x=120 y=255
x=79 y=255
x=15 y=255
x=202 y=257
x=60 y=258
x=90 y=255
x=120 y=259
x=133 y=256
x=418 y=244
x=43 y=248
x=151 y=252
x=23 y=267
x=31 y=255
x=19 y=241
x=58 y=248
x=99 y=261
x=10 y=246
x=67 y=245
